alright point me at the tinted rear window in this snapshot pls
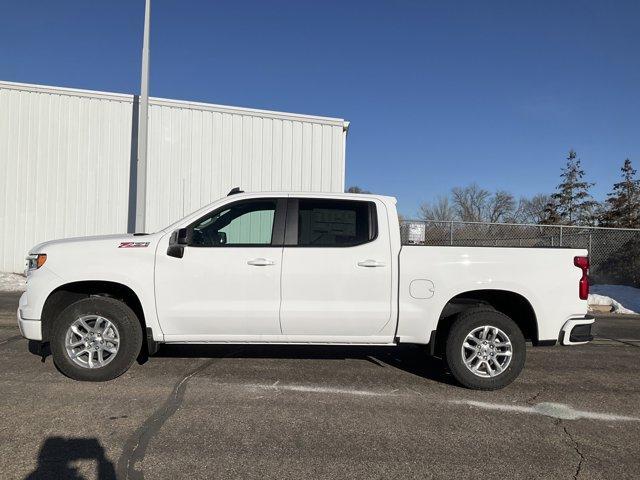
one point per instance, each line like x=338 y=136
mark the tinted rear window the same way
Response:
x=335 y=223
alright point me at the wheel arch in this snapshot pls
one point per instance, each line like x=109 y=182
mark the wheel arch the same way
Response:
x=513 y=304
x=64 y=295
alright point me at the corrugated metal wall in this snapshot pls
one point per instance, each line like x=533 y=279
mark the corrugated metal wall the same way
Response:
x=66 y=157
x=64 y=168
x=197 y=153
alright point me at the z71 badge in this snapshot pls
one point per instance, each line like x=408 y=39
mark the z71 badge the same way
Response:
x=133 y=244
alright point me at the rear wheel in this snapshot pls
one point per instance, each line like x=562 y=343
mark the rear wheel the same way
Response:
x=96 y=339
x=485 y=349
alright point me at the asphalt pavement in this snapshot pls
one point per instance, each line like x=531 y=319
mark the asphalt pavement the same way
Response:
x=279 y=412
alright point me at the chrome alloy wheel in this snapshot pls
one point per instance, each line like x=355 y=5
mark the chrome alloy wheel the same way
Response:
x=486 y=351
x=92 y=341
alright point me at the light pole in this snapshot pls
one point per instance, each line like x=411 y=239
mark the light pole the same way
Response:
x=143 y=121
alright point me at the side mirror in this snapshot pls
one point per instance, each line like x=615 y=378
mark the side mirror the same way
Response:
x=184 y=236
x=179 y=239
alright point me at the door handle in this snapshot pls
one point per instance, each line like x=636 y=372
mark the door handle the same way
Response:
x=261 y=262
x=371 y=263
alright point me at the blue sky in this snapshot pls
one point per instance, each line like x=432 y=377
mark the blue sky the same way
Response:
x=439 y=94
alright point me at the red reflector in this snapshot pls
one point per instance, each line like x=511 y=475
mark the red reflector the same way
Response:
x=583 y=286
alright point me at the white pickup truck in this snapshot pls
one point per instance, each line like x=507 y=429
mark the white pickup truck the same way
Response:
x=285 y=268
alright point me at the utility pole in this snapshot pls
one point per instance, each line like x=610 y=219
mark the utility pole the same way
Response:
x=143 y=121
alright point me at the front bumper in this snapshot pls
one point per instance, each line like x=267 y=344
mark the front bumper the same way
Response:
x=30 y=329
x=577 y=331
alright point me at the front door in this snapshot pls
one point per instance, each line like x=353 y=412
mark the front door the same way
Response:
x=336 y=272
x=226 y=286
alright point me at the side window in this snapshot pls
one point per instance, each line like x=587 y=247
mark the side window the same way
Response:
x=244 y=223
x=335 y=223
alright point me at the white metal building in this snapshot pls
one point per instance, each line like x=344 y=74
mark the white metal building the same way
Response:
x=66 y=158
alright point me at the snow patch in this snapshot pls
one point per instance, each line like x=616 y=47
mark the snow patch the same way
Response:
x=12 y=282
x=622 y=298
x=602 y=300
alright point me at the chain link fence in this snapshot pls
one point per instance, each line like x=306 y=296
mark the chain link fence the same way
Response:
x=614 y=252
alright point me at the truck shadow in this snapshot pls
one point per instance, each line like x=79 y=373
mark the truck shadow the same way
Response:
x=412 y=359
x=58 y=455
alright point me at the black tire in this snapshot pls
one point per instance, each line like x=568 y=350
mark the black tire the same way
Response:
x=127 y=324
x=464 y=323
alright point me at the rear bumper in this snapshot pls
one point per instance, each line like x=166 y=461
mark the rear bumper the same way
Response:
x=577 y=331
x=30 y=329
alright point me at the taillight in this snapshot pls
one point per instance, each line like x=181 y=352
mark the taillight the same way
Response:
x=583 y=286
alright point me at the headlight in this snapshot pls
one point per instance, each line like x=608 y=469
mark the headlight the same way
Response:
x=35 y=261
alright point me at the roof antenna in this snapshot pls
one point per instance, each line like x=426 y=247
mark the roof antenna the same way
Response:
x=234 y=191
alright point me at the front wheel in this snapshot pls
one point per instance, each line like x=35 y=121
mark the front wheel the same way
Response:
x=485 y=349
x=95 y=339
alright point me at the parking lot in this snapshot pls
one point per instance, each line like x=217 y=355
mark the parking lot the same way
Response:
x=292 y=412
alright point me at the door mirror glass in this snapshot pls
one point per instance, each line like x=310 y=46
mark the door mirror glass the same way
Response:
x=184 y=236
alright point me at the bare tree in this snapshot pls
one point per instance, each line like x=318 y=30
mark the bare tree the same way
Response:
x=533 y=210
x=470 y=202
x=500 y=207
x=475 y=204
x=441 y=209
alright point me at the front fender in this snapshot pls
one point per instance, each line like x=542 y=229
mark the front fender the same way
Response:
x=44 y=282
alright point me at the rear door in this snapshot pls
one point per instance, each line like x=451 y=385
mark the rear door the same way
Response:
x=336 y=271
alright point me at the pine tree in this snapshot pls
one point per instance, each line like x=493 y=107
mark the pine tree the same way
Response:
x=623 y=204
x=550 y=215
x=573 y=203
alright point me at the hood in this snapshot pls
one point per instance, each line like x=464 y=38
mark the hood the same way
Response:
x=130 y=239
